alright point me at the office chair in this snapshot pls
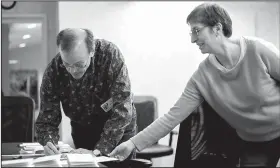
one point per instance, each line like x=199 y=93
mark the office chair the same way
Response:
x=205 y=140
x=146 y=109
x=17 y=119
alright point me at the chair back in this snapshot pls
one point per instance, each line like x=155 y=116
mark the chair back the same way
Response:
x=146 y=109
x=17 y=119
x=204 y=131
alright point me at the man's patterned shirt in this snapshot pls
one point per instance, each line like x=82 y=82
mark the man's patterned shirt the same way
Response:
x=81 y=100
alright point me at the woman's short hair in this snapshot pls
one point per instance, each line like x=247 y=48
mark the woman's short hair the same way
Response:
x=67 y=39
x=210 y=14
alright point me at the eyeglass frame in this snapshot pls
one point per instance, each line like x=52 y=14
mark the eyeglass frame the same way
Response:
x=69 y=68
x=197 y=31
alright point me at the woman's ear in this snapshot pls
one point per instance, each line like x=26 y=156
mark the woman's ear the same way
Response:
x=218 y=29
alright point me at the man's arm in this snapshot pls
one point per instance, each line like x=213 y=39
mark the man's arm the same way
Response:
x=49 y=117
x=122 y=105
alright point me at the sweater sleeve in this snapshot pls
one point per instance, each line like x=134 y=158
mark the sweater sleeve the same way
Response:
x=185 y=105
x=270 y=56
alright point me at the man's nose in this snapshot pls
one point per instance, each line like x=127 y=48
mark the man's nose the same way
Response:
x=73 y=70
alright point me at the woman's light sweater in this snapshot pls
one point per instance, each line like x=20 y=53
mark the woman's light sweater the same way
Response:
x=246 y=96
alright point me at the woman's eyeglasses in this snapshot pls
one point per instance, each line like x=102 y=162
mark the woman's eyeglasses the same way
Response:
x=196 y=31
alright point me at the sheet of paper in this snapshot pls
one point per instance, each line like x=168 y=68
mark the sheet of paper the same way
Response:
x=48 y=161
x=5 y=157
x=35 y=148
x=104 y=159
x=64 y=163
x=79 y=158
x=29 y=144
x=47 y=158
x=17 y=162
x=38 y=144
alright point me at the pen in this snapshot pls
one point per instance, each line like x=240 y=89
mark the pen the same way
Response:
x=53 y=141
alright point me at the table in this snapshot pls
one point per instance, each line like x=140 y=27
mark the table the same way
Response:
x=13 y=149
x=10 y=148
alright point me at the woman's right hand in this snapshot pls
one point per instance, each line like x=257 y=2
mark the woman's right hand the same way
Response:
x=123 y=150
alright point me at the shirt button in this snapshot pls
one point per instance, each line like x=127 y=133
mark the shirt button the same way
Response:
x=89 y=122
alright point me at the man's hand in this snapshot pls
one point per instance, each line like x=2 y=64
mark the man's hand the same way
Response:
x=123 y=150
x=50 y=149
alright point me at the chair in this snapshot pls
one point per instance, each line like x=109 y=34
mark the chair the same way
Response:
x=17 y=119
x=146 y=109
x=205 y=140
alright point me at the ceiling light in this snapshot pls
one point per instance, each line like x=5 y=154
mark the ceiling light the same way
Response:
x=31 y=26
x=13 y=61
x=27 y=36
x=22 y=45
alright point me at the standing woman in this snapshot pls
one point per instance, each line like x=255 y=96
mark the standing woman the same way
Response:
x=239 y=79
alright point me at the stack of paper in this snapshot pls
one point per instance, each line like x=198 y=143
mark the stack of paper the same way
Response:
x=81 y=160
x=29 y=144
x=47 y=161
x=17 y=163
x=31 y=148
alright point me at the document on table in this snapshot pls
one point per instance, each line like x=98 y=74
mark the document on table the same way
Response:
x=29 y=144
x=77 y=160
x=17 y=163
x=48 y=161
x=36 y=144
x=104 y=159
x=35 y=147
x=21 y=156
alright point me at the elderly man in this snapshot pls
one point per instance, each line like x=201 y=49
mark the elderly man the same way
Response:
x=90 y=79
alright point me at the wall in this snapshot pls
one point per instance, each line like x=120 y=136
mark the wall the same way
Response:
x=50 y=10
x=260 y=19
x=27 y=58
x=154 y=39
x=30 y=58
x=5 y=58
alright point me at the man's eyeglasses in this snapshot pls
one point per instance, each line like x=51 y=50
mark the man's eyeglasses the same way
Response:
x=76 y=66
x=196 y=31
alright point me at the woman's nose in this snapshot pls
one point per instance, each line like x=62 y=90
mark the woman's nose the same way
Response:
x=193 y=38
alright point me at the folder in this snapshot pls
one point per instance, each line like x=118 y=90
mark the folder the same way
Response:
x=81 y=160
